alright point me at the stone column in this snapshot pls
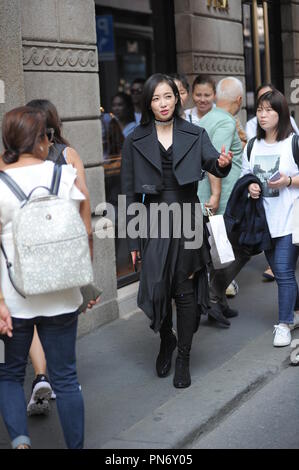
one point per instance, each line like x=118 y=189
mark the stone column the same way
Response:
x=11 y=69
x=290 y=44
x=57 y=39
x=209 y=40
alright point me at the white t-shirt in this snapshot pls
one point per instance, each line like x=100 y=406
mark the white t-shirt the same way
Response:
x=251 y=127
x=192 y=116
x=265 y=159
x=28 y=177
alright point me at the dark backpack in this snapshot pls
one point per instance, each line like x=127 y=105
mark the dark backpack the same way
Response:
x=295 y=148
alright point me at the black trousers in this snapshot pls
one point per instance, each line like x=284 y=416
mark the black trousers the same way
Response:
x=187 y=316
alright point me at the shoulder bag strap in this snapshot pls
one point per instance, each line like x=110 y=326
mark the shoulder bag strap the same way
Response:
x=55 y=179
x=249 y=147
x=9 y=266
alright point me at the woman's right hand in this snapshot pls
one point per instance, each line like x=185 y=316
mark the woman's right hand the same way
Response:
x=5 y=320
x=254 y=190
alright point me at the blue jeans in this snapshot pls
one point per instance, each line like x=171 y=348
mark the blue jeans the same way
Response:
x=58 y=338
x=282 y=259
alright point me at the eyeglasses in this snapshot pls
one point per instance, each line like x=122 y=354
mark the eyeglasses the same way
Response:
x=50 y=133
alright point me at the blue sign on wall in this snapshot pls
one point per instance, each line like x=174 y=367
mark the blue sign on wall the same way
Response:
x=105 y=37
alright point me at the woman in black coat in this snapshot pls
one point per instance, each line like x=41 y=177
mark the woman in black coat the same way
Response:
x=162 y=162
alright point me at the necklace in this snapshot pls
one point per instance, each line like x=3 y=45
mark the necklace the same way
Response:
x=164 y=123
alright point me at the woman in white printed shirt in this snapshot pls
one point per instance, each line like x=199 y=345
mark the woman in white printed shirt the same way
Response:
x=272 y=151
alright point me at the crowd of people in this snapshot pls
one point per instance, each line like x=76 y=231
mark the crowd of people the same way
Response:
x=170 y=154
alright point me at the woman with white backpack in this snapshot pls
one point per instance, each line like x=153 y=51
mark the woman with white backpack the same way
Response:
x=55 y=314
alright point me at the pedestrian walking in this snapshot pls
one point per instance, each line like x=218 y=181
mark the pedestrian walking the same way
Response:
x=251 y=131
x=271 y=152
x=221 y=126
x=60 y=153
x=55 y=314
x=163 y=159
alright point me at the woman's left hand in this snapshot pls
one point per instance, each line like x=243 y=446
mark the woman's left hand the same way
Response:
x=225 y=159
x=283 y=182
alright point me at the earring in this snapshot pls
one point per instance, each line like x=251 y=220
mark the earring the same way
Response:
x=41 y=148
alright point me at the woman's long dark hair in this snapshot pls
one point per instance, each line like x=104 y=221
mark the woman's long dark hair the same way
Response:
x=279 y=103
x=22 y=129
x=148 y=91
x=53 y=119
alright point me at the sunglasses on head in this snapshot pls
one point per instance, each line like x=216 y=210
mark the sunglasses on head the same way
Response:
x=50 y=133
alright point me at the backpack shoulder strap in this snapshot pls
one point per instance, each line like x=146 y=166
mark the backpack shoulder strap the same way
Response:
x=13 y=186
x=249 y=147
x=55 y=179
x=295 y=148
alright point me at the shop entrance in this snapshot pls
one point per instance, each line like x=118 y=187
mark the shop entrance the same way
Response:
x=262 y=47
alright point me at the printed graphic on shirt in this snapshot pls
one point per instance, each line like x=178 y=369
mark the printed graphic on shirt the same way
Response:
x=264 y=167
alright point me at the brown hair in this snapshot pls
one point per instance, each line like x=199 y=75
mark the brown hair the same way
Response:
x=22 y=129
x=279 y=103
x=52 y=117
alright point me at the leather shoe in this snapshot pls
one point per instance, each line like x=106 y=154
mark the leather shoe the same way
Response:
x=216 y=313
x=230 y=312
x=163 y=362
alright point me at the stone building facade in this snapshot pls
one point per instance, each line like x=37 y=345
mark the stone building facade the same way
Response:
x=48 y=49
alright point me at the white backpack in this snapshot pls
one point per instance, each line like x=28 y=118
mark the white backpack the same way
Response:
x=50 y=242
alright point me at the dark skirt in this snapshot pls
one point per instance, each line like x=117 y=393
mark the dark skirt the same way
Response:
x=166 y=262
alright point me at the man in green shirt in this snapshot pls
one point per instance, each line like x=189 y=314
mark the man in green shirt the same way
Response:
x=220 y=123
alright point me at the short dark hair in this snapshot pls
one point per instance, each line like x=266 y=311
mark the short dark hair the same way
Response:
x=203 y=80
x=129 y=107
x=181 y=78
x=22 y=129
x=52 y=117
x=139 y=80
x=279 y=103
x=148 y=91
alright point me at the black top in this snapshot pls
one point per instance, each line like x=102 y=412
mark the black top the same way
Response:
x=170 y=182
x=56 y=154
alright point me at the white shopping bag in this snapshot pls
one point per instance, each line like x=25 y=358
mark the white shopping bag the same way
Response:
x=221 y=250
x=295 y=222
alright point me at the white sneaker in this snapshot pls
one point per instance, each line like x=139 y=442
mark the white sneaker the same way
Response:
x=282 y=335
x=232 y=289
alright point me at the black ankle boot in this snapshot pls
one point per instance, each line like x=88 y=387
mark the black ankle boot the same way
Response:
x=182 y=378
x=163 y=362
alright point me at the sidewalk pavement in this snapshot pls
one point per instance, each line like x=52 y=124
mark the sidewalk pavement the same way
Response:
x=128 y=407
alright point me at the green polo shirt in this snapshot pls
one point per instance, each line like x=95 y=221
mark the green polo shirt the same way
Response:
x=221 y=128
